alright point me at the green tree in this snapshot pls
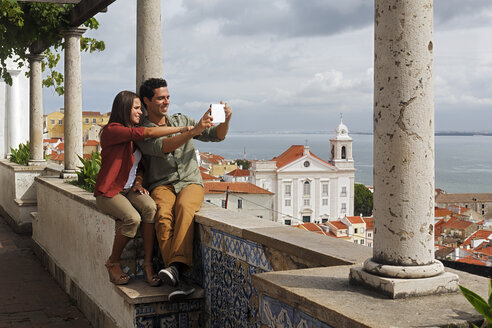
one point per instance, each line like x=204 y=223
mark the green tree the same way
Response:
x=25 y=24
x=362 y=200
x=244 y=163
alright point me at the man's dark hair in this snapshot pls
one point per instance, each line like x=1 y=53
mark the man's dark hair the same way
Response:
x=148 y=86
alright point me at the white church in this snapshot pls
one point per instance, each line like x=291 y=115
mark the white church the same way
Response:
x=308 y=188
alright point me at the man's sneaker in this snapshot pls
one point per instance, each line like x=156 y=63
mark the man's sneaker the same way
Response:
x=170 y=276
x=181 y=293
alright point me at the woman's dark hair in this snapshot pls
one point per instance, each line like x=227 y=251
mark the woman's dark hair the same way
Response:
x=148 y=86
x=122 y=106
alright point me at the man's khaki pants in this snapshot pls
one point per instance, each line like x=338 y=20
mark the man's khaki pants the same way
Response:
x=174 y=221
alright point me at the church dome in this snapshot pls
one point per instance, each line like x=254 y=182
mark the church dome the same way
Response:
x=341 y=132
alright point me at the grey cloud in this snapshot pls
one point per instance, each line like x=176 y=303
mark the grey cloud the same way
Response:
x=288 y=18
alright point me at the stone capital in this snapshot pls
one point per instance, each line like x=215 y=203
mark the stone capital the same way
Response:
x=74 y=31
x=35 y=57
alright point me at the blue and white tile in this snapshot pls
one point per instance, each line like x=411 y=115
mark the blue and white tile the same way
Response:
x=263 y=261
x=302 y=320
x=275 y=313
x=145 y=309
x=167 y=321
x=217 y=239
x=144 y=322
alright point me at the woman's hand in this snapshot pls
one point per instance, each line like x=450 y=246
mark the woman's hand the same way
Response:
x=140 y=189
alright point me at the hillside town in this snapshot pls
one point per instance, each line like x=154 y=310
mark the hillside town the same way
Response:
x=300 y=189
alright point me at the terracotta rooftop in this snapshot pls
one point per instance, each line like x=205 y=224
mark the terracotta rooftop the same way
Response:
x=369 y=222
x=61 y=146
x=234 y=187
x=89 y=113
x=442 y=212
x=291 y=154
x=479 y=234
x=457 y=224
x=52 y=140
x=355 y=219
x=206 y=176
x=471 y=260
x=464 y=198
x=212 y=158
x=338 y=224
x=239 y=173
x=91 y=143
x=311 y=227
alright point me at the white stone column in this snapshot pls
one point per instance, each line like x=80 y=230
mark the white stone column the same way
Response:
x=72 y=102
x=149 y=40
x=36 y=110
x=404 y=154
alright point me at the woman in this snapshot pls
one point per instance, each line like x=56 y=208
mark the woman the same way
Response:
x=119 y=191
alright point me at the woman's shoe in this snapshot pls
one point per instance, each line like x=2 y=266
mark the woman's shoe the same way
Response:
x=121 y=279
x=154 y=280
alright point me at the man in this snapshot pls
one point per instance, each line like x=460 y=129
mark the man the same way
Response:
x=173 y=178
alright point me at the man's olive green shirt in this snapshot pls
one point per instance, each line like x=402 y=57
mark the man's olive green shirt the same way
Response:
x=178 y=168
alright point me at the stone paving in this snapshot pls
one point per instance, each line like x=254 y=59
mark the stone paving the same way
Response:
x=29 y=296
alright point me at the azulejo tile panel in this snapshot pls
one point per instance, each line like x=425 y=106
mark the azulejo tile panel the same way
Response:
x=277 y=314
x=186 y=314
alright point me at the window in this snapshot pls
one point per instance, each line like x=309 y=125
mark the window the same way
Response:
x=356 y=241
x=287 y=202
x=355 y=230
x=287 y=190
x=306 y=202
x=483 y=205
x=223 y=203
x=361 y=230
x=306 y=218
x=324 y=190
x=369 y=244
x=324 y=220
x=87 y=121
x=344 y=155
x=369 y=234
x=307 y=189
x=94 y=120
x=287 y=222
x=324 y=201
x=208 y=201
x=306 y=164
x=362 y=241
x=483 y=212
x=60 y=122
x=344 y=192
x=260 y=216
x=52 y=122
x=239 y=203
x=344 y=207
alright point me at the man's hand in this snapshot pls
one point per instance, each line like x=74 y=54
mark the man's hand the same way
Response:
x=222 y=128
x=140 y=189
x=204 y=123
x=228 y=112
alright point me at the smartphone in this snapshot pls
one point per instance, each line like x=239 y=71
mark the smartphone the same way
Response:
x=218 y=113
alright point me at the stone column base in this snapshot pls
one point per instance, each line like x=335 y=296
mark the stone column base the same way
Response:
x=68 y=174
x=37 y=162
x=445 y=282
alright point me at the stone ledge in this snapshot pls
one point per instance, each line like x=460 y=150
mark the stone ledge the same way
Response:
x=325 y=294
x=139 y=292
x=26 y=202
x=23 y=228
x=19 y=168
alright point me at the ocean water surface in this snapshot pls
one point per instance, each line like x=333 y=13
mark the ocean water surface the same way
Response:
x=463 y=163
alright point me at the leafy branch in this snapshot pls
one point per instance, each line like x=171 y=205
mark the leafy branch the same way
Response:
x=23 y=25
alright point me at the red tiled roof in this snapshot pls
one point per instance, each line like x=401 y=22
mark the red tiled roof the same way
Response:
x=206 y=176
x=291 y=154
x=484 y=248
x=338 y=224
x=91 y=143
x=52 y=140
x=212 y=158
x=61 y=146
x=239 y=173
x=457 y=224
x=479 y=234
x=89 y=113
x=442 y=212
x=234 y=187
x=471 y=260
x=369 y=222
x=354 y=219
x=202 y=169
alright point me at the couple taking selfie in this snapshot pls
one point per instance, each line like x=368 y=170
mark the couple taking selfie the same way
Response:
x=149 y=175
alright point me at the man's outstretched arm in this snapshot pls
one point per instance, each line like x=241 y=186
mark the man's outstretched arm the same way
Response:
x=172 y=143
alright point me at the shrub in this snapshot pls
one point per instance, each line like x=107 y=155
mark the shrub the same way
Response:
x=87 y=176
x=482 y=306
x=20 y=155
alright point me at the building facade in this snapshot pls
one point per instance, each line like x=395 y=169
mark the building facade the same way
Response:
x=306 y=187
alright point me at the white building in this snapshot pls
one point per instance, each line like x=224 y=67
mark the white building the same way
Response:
x=308 y=188
x=240 y=197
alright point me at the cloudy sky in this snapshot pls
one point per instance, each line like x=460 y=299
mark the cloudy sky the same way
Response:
x=289 y=64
